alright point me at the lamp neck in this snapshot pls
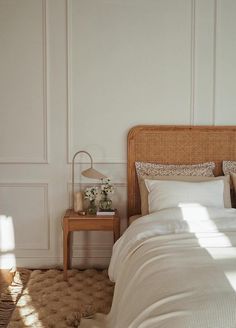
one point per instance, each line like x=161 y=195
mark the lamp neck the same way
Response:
x=85 y=152
x=73 y=171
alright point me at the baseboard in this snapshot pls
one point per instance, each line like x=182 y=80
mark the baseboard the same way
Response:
x=57 y=262
x=96 y=255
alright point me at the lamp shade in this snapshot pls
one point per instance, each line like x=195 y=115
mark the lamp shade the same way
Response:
x=92 y=174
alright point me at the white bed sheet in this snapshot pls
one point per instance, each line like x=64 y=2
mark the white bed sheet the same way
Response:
x=174 y=268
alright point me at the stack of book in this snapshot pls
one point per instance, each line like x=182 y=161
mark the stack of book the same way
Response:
x=106 y=212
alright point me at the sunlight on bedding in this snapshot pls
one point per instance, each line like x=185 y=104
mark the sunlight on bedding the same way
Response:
x=192 y=213
x=7 y=242
x=222 y=254
x=196 y=211
x=231 y=276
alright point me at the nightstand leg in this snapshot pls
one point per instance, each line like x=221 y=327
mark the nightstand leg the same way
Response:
x=66 y=251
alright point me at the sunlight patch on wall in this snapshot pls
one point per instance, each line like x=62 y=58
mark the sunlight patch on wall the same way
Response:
x=7 y=261
x=7 y=239
x=7 y=242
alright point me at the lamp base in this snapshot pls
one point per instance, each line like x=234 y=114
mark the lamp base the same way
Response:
x=78 y=201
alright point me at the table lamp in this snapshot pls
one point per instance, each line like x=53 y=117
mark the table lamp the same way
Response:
x=90 y=173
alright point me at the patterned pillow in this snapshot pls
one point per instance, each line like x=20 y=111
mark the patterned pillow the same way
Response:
x=229 y=167
x=152 y=169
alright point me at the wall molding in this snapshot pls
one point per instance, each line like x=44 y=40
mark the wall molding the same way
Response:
x=57 y=262
x=192 y=61
x=27 y=247
x=69 y=92
x=214 y=62
x=45 y=80
x=99 y=257
x=44 y=160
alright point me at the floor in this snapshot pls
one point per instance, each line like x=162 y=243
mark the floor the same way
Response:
x=6 y=277
x=87 y=292
x=11 y=286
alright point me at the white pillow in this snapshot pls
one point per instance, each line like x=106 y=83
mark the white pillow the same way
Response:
x=166 y=194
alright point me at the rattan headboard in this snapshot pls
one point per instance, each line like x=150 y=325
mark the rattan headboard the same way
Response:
x=176 y=145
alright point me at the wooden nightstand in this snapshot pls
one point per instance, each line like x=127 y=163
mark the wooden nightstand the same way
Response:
x=74 y=222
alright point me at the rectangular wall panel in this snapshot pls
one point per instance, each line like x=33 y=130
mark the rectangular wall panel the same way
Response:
x=27 y=205
x=225 y=102
x=204 y=56
x=129 y=63
x=23 y=135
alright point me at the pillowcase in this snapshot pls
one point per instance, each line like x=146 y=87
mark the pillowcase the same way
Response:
x=165 y=194
x=203 y=169
x=229 y=167
x=144 y=191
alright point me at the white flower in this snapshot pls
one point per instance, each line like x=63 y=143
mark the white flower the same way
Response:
x=106 y=186
x=91 y=193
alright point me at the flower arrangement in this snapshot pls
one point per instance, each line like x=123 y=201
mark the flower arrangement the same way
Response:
x=106 y=187
x=91 y=193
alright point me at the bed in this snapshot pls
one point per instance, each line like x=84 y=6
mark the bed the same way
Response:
x=175 y=267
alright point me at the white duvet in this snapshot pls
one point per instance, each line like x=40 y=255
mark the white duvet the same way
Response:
x=175 y=268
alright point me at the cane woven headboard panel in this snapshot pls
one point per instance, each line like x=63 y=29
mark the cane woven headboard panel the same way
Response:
x=176 y=145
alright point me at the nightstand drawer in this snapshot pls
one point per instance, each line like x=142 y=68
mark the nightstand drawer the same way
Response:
x=91 y=224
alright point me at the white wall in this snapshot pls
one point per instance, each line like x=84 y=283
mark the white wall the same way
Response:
x=78 y=74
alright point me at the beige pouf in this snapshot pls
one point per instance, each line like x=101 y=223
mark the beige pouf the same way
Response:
x=49 y=301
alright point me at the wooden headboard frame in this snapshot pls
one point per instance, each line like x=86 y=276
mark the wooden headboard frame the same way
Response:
x=176 y=145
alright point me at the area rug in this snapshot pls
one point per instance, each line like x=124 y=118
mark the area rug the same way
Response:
x=10 y=293
x=48 y=301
